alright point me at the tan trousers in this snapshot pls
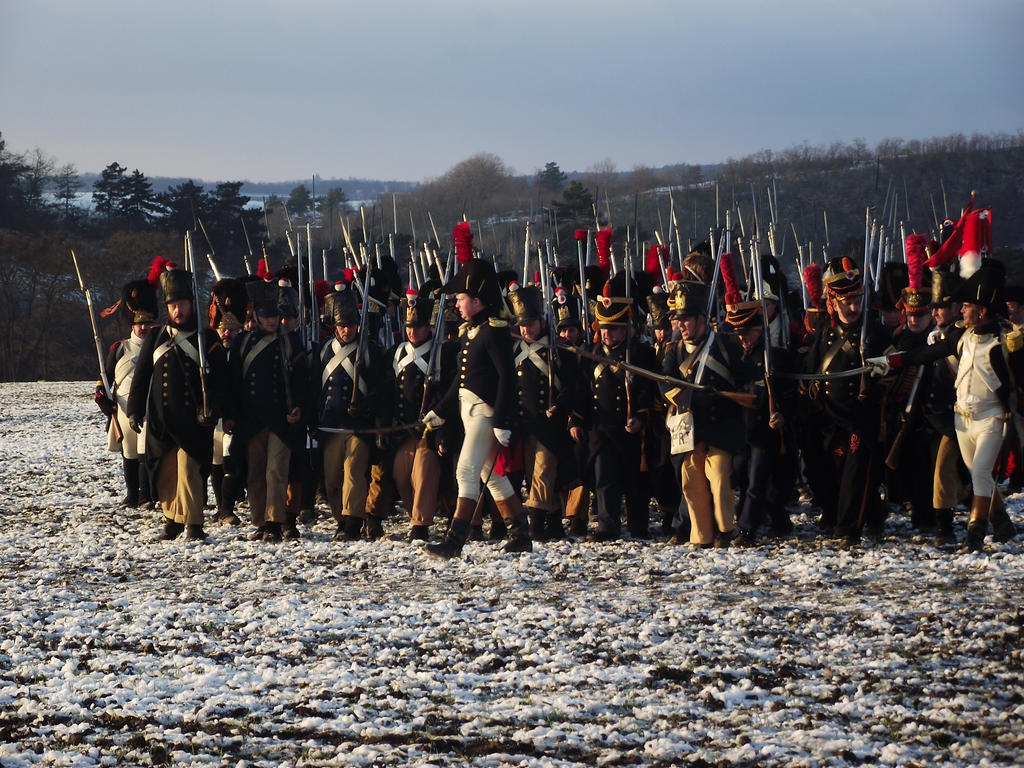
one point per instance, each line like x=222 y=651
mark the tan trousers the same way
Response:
x=346 y=465
x=268 y=459
x=179 y=487
x=946 y=485
x=540 y=465
x=576 y=502
x=707 y=488
x=379 y=498
x=417 y=474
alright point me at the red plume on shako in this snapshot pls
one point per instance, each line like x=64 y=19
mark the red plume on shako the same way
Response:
x=813 y=284
x=462 y=236
x=732 y=288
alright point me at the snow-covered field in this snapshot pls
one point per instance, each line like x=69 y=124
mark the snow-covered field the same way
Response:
x=116 y=650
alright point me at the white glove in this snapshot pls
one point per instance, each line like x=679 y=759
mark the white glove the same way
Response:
x=879 y=365
x=432 y=420
x=503 y=436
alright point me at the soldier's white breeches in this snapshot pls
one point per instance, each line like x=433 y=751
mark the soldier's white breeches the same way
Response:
x=130 y=445
x=980 y=441
x=478 y=451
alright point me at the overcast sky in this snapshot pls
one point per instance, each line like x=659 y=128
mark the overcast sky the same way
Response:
x=401 y=89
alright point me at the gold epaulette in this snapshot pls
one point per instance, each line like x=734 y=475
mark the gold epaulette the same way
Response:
x=497 y=322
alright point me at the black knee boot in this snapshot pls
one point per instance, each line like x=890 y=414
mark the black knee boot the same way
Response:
x=457 y=533
x=131 y=482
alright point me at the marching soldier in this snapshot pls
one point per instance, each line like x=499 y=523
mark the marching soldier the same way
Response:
x=229 y=309
x=267 y=383
x=990 y=361
x=768 y=466
x=704 y=358
x=139 y=305
x=937 y=401
x=851 y=406
x=612 y=407
x=346 y=404
x=416 y=466
x=544 y=381
x=662 y=478
x=177 y=403
x=484 y=392
x=909 y=472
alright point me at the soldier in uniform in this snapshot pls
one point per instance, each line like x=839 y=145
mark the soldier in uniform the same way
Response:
x=139 y=305
x=990 y=361
x=574 y=493
x=416 y=467
x=178 y=403
x=229 y=309
x=909 y=476
x=938 y=399
x=851 y=407
x=484 y=392
x=544 y=381
x=706 y=359
x=767 y=468
x=267 y=383
x=612 y=407
x=302 y=479
x=660 y=475
x=347 y=400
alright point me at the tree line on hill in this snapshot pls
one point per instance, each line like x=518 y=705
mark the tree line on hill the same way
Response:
x=816 y=194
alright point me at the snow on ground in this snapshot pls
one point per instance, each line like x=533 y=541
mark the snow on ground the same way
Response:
x=117 y=650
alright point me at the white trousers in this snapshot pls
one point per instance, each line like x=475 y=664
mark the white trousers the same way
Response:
x=478 y=451
x=980 y=441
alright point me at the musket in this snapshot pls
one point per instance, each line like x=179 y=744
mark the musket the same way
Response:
x=766 y=343
x=248 y=244
x=744 y=399
x=627 y=378
x=361 y=348
x=107 y=389
x=205 y=415
x=433 y=229
x=675 y=226
x=935 y=215
x=433 y=375
x=869 y=239
x=309 y=292
x=299 y=270
x=545 y=292
x=783 y=303
x=584 y=260
x=287 y=218
x=213 y=267
x=828 y=241
x=526 y=254
x=288 y=239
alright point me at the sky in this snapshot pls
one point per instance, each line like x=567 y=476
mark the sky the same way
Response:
x=403 y=90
